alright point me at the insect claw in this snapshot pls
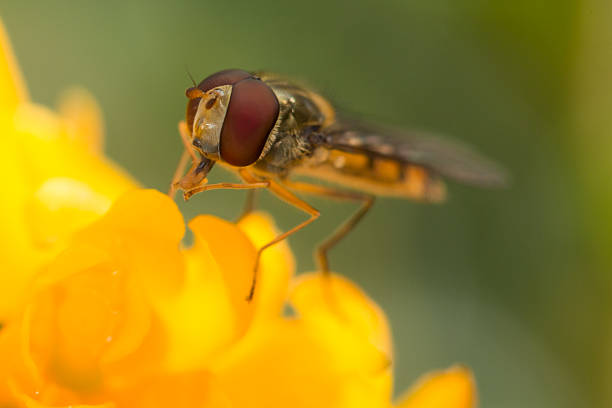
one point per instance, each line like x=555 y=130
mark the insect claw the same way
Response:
x=249 y=297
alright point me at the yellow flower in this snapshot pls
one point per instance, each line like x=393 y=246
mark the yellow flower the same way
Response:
x=54 y=177
x=102 y=307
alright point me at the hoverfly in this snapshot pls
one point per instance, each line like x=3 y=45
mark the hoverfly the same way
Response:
x=267 y=128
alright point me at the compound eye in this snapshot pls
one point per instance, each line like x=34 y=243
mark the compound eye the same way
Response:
x=251 y=115
x=226 y=77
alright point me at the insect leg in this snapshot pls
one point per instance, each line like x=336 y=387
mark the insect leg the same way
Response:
x=188 y=152
x=231 y=186
x=346 y=227
x=281 y=192
x=178 y=173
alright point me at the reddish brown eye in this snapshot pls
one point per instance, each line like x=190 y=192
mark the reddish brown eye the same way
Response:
x=226 y=77
x=252 y=112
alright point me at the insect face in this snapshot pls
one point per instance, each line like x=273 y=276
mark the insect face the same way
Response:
x=208 y=121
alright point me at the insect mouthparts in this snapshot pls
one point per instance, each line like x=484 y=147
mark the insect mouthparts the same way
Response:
x=205 y=165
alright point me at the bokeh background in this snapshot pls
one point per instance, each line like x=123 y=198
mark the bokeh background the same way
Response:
x=514 y=283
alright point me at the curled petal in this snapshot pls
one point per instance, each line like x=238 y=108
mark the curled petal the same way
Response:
x=452 y=388
x=210 y=311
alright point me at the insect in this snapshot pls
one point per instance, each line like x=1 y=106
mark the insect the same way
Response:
x=267 y=129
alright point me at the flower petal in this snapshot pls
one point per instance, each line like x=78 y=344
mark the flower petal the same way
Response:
x=83 y=119
x=16 y=253
x=32 y=403
x=183 y=390
x=59 y=208
x=49 y=150
x=89 y=324
x=339 y=346
x=341 y=310
x=143 y=229
x=211 y=311
x=452 y=388
x=12 y=86
x=287 y=365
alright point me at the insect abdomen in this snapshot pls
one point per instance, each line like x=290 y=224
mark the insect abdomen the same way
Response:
x=375 y=175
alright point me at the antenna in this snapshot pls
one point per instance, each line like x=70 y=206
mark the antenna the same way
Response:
x=190 y=77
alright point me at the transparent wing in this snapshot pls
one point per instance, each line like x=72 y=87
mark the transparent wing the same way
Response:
x=440 y=155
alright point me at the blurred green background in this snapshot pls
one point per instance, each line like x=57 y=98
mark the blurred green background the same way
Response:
x=514 y=283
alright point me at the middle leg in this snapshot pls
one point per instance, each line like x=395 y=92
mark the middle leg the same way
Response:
x=344 y=228
x=284 y=194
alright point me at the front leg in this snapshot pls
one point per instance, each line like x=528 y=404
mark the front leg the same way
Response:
x=230 y=186
x=178 y=180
